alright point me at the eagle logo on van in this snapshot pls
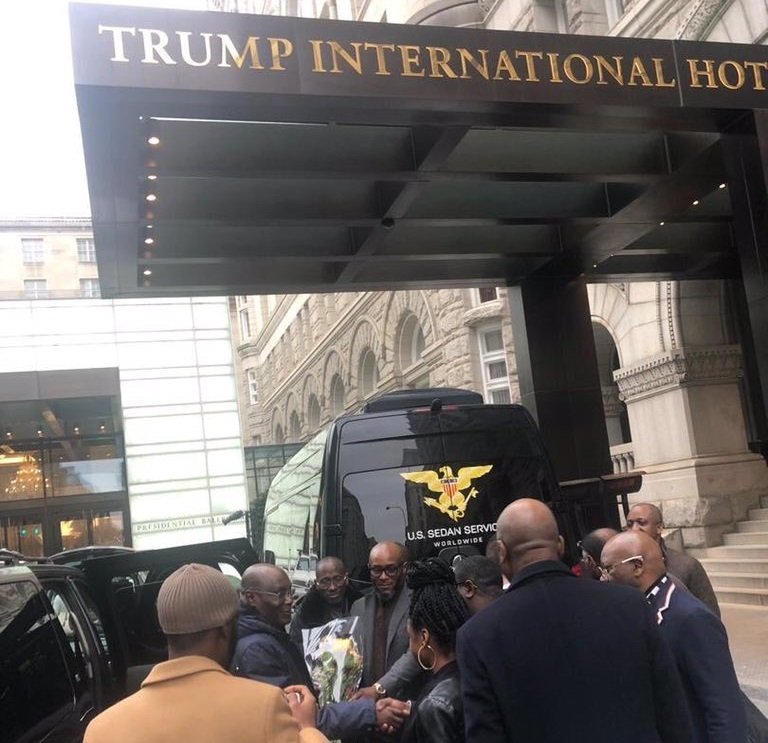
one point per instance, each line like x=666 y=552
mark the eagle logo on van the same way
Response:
x=453 y=501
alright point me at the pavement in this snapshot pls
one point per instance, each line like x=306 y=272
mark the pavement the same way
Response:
x=748 y=636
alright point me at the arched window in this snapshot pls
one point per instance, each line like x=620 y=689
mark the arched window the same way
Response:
x=313 y=414
x=368 y=372
x=294 y=427
x=337 y=395
x=279 y=435
x=411 y=343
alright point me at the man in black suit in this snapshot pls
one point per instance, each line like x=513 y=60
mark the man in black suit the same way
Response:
x=561 y=659
x=695 y=635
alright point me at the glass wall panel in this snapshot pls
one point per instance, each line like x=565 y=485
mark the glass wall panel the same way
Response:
x=217 y=389
x=163 y=428
x=157 y=354
x=108 y=528
x=73 y=533
x=156 y=468
x=147 y=317
x=225 y=462
x=213 y=352
x=160 y=392
x=79 y=467
x=221 y=425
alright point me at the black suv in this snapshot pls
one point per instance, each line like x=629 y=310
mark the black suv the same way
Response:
x=75 y=640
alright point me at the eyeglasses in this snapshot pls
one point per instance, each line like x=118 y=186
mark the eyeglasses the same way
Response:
x=334 y=580
x=281 y=596
x=391 y=570
x=606 y=572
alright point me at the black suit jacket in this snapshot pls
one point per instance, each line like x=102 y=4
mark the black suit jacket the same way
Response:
x=699 y=644
x=561 y=659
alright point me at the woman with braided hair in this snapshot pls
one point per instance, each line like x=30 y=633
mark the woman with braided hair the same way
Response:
x=436 y=613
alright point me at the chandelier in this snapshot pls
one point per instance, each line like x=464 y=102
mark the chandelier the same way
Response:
x=28 y=480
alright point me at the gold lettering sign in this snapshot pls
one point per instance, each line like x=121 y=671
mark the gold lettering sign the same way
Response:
x=356 y=58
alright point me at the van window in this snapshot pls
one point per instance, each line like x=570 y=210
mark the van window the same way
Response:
x=435 y=490
x=35 y=683
x=293 y=509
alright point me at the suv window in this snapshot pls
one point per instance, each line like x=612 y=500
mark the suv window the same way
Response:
x=65 y=611
x=35 y=684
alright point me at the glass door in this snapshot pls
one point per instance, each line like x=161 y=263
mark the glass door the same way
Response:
x=84 y=527
x=20 y=533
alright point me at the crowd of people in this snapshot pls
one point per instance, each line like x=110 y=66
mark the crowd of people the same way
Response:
x=508 y=646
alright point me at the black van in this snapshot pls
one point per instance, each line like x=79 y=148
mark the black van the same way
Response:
x=433 y=469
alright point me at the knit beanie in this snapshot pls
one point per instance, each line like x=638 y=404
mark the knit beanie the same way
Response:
x=195 y=598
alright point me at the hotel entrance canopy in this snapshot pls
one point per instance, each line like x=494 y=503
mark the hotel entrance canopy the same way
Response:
x=239 y=154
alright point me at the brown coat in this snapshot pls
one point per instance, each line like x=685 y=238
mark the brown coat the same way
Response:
x=194 y=700
x=692 y=575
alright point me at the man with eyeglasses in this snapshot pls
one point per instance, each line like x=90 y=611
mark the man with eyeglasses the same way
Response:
x=265 y=652
x=388 y=666
x=646 y=517
x=478 y=580
x=330 y=598
x=696 y=637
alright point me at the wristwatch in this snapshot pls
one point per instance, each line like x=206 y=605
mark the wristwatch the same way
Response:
x=381 y=692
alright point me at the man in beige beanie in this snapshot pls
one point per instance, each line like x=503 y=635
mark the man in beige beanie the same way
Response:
x=191 y=697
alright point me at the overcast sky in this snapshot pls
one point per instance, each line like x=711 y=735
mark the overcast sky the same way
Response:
x=41 y=153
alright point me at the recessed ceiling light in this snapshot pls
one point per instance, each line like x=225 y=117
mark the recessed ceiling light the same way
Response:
x=722 y=185
x=149 y=241
x=594 y=265
x=152 y=197
x=149 y=227
x=147 y=271
x=153 y=140
x=661 y=224
x=695 y=202
x=151 y=177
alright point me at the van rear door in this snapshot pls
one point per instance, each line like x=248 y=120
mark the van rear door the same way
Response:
x=435 y=481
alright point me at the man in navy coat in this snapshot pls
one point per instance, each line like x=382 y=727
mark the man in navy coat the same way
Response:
x=559 y=659
x=695 y=635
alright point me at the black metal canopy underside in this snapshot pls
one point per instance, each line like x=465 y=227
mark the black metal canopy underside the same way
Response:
x=285 y=193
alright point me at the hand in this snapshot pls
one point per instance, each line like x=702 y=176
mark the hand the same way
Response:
x=303 y=705
x=390 y=714
x=367 y=692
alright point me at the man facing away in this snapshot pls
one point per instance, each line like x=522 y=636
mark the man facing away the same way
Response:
x=266 y=653
x=688 y=570
x=191 y=697
x=557 y=658
x=591 y=549
x=696 y=637
x=478 y=580
x=330 y=598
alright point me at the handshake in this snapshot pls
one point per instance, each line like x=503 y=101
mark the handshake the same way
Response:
x=390 y=713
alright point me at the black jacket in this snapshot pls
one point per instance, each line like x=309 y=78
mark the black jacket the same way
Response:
x=437 y=716
x=266 y=653
x=312 y=610
x=561 y=659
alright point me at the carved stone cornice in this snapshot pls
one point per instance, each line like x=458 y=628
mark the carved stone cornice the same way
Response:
x=679 y=367
x=699 y=18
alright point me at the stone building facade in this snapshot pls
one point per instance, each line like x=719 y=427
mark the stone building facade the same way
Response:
x=668 y=352
x=309 y=358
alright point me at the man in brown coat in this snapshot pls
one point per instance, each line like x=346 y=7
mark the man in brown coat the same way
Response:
x=191 y=697
x=688 y=570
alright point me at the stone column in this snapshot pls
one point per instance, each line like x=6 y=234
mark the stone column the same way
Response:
x=688 y=430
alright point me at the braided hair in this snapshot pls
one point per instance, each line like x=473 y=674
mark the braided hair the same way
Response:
x=435 y=602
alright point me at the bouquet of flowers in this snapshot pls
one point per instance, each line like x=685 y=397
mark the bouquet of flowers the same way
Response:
x=332 y=654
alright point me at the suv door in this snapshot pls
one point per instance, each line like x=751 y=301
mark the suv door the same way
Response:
x=125 y=588
x=39 y=694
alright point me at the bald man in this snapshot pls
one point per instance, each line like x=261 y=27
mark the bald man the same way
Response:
x=646 y=517
x=264 y=652
x=331 y=597
x=557 y=658
x=696 y=637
